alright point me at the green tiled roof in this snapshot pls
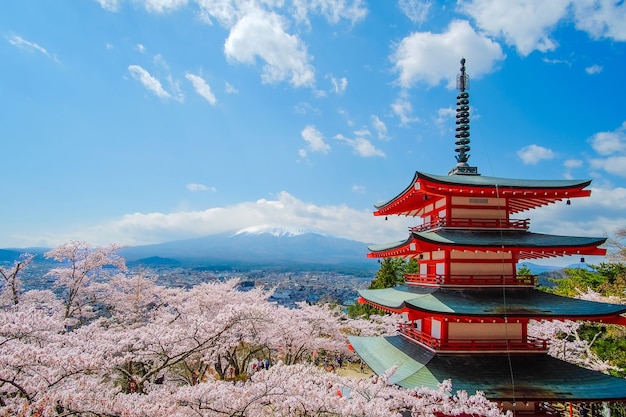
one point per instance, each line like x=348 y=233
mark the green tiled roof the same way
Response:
x=511 y=302
x=490 y=182
x=484 y=181
x=532 y=377
x=383 y=353
x=491 y=238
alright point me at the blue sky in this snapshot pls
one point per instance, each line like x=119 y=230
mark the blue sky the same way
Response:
x=141 y=121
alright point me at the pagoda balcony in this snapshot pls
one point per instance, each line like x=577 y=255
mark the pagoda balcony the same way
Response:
x=519 y=224
x=473 y=345
x=470 y=280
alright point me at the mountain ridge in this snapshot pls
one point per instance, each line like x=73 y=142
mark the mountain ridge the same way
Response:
x=255 y=249
x=259 y=247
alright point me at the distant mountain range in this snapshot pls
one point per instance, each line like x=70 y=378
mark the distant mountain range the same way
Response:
x=11 y=254
x=255 y=248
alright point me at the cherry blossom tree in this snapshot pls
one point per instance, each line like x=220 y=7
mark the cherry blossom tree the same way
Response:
x=34 y=354
x=150 y=350
x=375 y=325
x=12 y=284
x=565 y=340
x=296 y=390
x=566 y=343
x=84 y=264
x=297 y=332
x=128 y=300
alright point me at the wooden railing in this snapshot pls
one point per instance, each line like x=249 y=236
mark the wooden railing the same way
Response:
x=529 y=344
x=437 y=279
x=520 y=224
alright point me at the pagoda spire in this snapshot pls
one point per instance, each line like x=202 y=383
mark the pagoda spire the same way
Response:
x=462 y=129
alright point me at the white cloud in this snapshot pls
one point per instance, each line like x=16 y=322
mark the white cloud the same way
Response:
x=361 y=146
x=159 y=61
x=444 y=115
x=199 y=187
x=228 y=12
x=607 y=143
x=611 y=146
x=594 y=69
x=532 y=154
x=284 y=210
x=201 y=87
x=153 y=84
x=599 y=215
x=525 y=24
x=601 y=19
x=315 y=139
x=305 y=108
x=22 y=43
x=110 y=5
x=163 y=6
x=380 y=127
x=358 y=188
x=140 y=48
x=363 y=132
x=615 y=165
x=176 y=92
x=402 y=108
x=262 y=35
x=230 y=89
x=346 y=116
x=555 y=61
x=148 y=81
x=332 y=10
x=573 y=163
x=533 y=32
x=339 y=84
x=415 y=10
x=427 y=57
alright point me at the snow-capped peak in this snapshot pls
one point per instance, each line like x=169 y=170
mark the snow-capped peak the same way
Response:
x=277 y=231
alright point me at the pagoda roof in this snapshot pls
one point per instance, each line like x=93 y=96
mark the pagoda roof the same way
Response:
x=492 y=182
x=523 y=194
x=491 y=302
x=525 y=244
x=519 y=377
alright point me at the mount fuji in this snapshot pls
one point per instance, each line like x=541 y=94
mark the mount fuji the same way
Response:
x=259 y=247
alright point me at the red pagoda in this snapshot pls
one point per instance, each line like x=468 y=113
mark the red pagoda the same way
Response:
x=466 y=313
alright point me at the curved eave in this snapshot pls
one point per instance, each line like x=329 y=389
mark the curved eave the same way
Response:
x=403 y=203
x=512 y=303
x=522 y=195
x=526 y=377
x=391 y=310
x=526 y=245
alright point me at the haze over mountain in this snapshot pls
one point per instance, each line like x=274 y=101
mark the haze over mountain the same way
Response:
x=260 y=247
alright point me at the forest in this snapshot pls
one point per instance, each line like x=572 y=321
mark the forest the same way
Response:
x=104 y=342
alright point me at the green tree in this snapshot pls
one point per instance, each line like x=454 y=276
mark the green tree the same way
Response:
x=524 y=271
x=615 y=283
x=362 y=310
x=390 y=274
x=576 y=281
